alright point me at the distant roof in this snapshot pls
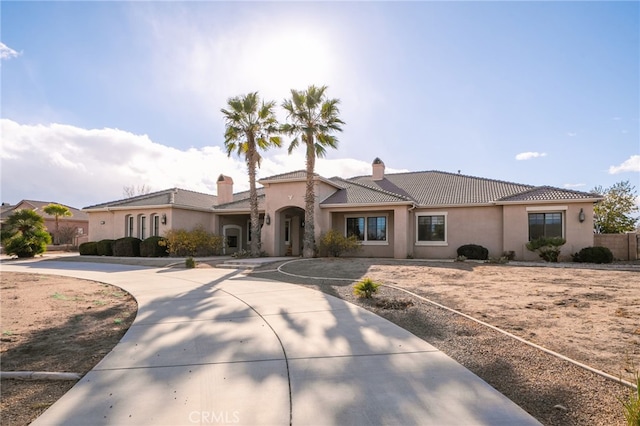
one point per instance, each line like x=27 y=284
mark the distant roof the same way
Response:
x=39 y=206
x=436 y=188
x=173 y=196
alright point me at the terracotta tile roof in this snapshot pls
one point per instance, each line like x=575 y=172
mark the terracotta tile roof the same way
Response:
x=549 y=193
x=361 y=193
x=298 y=174
x=436 y=188
x=181 y=197
x=241 y=201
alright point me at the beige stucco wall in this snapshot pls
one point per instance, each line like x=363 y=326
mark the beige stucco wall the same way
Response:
x=516 y=228
x=464 y=225
x=114 y=225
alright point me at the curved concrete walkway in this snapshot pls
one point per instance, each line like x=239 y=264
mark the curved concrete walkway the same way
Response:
x=212 y=346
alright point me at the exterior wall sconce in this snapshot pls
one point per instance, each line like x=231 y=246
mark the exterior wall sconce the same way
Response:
x=102 y=222
x=581 y=216
x=267 y=219
x=163 y=220
x=302 y=223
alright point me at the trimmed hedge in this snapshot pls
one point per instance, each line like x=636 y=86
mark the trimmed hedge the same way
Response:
x=105 y=248
x=88 y=249
x=473 y=251
x=127 y=247
x=151 y=247
x=593 y=255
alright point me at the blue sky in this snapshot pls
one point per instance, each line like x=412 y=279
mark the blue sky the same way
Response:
x=101 y=95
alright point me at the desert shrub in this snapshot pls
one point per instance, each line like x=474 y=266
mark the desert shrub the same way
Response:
x=197 y=242
x=66 y=234
x=548 y=248
x=335 y=244
x=632 y=405
x=153 y=247
x=189 y=262
x=509 y=255
x=89 y=249
x=366 y=288
x=104 y=247
x=473 y=251
x=127 y=247
x=593 y=255
x=24 y=234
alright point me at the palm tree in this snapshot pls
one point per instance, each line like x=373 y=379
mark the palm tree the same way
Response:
x=57 y=211
x=311 y=119
x=24 y=234
x=250 y=127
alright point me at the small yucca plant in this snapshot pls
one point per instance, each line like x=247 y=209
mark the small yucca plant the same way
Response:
x=632 y=405
x=365 y=288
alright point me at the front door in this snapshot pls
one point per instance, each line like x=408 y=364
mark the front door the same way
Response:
x=232 y=239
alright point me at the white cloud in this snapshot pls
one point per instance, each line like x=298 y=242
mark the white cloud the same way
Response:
x=530 y=155
x=572 y=134
x=574 y=185
x=81 y=167
x=7 y=53
x=632 y=164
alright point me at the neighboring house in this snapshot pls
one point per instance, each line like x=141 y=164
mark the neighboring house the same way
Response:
x=418 y=214
x=79 y=220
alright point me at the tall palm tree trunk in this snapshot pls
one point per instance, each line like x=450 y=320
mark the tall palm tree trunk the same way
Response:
x=308 y=249
x=253 y=203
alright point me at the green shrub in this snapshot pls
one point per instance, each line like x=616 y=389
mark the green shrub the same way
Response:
x=152 y=247
x=196 y=242
x=593 y=255
x=104 y=248
x=365 y=288
x=335 y=244
x=127 y=247
x=632 y=405
x=473 y=251
x=24 y=234
x=189 y=262
x=548 y=248
x=89 y=249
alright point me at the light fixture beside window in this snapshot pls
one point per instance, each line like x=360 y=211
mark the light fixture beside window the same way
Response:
x=581 y=216
x=267 y=219
x=163 y=220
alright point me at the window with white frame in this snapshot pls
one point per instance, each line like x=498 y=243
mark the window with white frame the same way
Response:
x=431 y=228
x=155 y=225
x=367 y=228
x=128 y=226
x=142 y=227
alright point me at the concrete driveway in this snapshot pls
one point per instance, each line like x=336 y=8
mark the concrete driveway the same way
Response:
x=213 y=346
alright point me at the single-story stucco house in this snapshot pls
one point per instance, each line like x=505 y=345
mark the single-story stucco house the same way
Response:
x=417 y=214
x=76 y=225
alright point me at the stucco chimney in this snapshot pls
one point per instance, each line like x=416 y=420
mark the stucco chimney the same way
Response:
x=378 y=169
x=225 y=189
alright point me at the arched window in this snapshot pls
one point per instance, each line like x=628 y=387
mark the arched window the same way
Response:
x=128 y=226
x=142 y=227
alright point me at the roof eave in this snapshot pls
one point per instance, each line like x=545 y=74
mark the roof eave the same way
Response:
x=363 y=205
x=558 y=201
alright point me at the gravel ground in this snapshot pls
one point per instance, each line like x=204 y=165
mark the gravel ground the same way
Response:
x=554 y=391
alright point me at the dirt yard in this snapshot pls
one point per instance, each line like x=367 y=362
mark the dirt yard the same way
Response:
x=54 y=324
x=590 y=315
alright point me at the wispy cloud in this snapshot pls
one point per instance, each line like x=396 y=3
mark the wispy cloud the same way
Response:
x=7 y=53
x=632 y=164
x=572 y=134
x=91 y=166
x=530 y=155
x=574 y=185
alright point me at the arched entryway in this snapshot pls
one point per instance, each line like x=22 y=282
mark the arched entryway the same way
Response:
x=290 y=231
